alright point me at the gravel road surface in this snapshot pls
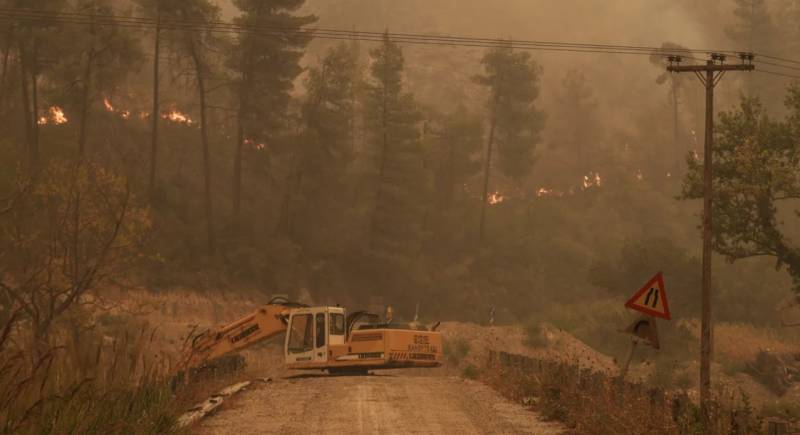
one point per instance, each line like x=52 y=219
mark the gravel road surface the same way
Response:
x=376 y=404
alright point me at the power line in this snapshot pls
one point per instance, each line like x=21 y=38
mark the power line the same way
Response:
x=351 y=36
x=796 y=68
x=333 y=34
x=775 y=73
x=782 y=59
x=354 y=37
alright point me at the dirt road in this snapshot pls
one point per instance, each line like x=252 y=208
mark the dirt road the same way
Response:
x=377 y=404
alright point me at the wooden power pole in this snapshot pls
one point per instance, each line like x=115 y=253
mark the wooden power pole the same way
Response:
x=709 y=74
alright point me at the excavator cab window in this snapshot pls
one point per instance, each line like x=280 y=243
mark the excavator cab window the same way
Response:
x=337 y=324
x=301 y=334
x=320 y=321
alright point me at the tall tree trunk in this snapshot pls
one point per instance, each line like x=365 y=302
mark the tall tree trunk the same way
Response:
x=6 y=57
x=85 y=105
x=29 y=118
x=244 y=112
x=384 y=157
x=209 y=206
x=30 y=106
x=451 y=173
x=487 y=172
x=237 y=170
x=86 y=95
x=155 y=116
x=34 y=70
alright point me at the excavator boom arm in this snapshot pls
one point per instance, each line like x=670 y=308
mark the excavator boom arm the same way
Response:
x=265 y=323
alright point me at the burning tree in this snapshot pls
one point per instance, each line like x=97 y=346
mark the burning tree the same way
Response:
x=264 y=68
x=512 y=78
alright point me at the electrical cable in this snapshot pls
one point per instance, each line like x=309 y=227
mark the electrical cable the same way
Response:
x=333 y=34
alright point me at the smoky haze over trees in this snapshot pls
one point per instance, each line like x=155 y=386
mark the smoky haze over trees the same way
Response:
x=457 y=177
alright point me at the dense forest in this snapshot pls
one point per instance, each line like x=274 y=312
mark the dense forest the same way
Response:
x=342 y=171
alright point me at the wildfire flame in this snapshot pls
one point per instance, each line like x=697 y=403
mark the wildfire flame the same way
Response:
x=55 y=115
x=178 y=117
x=592 y=180
x=258 y=146
x=496 y=198
x=124 y=114
x=544 y=192
x=639 y=175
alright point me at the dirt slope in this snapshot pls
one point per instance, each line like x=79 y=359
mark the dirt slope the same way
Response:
x=385 y=404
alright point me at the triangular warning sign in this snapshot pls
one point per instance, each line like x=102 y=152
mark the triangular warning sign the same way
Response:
x=651 y=299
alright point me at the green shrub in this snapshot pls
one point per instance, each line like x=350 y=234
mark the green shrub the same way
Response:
x=534 y=335
x=732 y=367
x=455 y=350
x=470 y=372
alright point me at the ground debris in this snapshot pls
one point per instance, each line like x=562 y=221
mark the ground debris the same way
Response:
x=210 y=405
x=778 y=372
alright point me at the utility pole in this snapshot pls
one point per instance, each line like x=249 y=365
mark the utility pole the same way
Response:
x=709 y=74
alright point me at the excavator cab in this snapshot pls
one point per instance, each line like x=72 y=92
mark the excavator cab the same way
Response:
x=311 y=330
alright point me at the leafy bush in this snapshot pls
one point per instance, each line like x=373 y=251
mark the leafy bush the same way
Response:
x=534 y=334
x=455 y=350
x=470 y=372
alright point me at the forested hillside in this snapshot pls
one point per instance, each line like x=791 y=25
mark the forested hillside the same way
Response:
x=346 y=170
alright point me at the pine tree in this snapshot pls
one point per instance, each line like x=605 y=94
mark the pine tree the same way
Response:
x=196 y=48
x=392 y=120
x=265 y=66
x=512 y=78
x=457 y=137
x=33 y=41
x=326 y=149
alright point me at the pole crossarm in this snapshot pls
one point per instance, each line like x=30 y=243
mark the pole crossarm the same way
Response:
x=712 y=68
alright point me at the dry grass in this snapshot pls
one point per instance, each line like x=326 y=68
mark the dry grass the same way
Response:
x=591 y=402
x=742 y=342
x=88 y=383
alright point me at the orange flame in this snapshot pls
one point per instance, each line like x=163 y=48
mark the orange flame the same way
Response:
x=258 y=146
x=55 y=115
x=178 y=117
x=109 y=106
x=592 y=180
x=496 y=198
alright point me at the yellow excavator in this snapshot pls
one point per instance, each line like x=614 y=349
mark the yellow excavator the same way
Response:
x=318 y=338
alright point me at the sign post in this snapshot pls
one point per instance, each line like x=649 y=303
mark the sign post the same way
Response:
x=651 y=301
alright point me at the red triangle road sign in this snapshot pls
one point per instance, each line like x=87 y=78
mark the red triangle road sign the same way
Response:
x=651 y=299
